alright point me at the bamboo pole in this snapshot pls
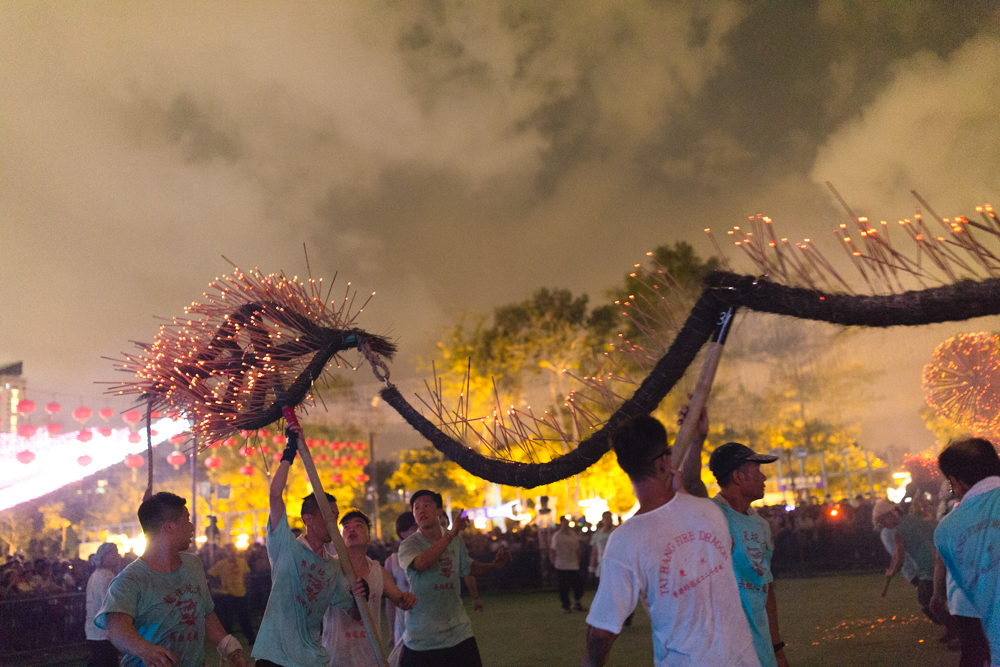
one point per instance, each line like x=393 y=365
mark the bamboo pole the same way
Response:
x=702 y=389
x=335 y=537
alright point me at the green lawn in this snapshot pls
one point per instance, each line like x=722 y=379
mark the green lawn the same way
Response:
x=837 y=620
x=826 y=621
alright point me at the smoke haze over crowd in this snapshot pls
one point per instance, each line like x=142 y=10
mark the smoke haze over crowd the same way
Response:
x=456 y=156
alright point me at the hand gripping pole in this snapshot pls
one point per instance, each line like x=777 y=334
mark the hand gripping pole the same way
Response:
x=335 y=537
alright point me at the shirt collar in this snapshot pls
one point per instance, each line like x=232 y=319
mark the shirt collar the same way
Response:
x=982 y=486
x=719 y=498
x=304 y=542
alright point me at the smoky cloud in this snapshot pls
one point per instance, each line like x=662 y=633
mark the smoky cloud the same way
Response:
x=449 y=156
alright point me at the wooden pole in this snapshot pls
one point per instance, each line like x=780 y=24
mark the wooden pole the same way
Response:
x=335 y=537
x=700 y=396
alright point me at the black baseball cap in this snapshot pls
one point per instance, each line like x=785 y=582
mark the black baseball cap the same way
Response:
x=730 y=456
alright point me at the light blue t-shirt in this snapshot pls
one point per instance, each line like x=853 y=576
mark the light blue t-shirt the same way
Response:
x=919 y=537
x=438 y=620
x=909 y=570
x=167 y=609
x=303 y=585
x=752 y=550
x=968 y=540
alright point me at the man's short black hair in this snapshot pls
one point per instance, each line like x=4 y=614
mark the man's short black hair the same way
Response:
x=404 y=522
x=969 y=461
x=311 y=506
x=638 y=442
x=435 y=496
x=356 y=514
x=160 y=507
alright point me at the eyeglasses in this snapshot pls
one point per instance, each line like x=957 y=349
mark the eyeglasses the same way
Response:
x=665 y=452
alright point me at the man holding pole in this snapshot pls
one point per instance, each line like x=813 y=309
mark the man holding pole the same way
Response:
x=676 y=552
x=438 y=630
x=306 y=580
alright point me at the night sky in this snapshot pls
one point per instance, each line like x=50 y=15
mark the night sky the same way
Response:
x=457 y=156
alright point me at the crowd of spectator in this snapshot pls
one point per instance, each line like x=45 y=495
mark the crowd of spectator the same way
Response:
x=815 y=536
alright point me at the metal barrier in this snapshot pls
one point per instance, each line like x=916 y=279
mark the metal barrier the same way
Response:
x=44 y=623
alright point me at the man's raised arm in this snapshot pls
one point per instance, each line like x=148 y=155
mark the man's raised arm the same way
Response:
x=275 y=500
x=691 y=465
x=430 y=555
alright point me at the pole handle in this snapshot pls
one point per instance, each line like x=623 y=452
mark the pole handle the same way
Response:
x=703 y=388
x=335 y=537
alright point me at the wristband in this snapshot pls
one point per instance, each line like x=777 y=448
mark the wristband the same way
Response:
x=291 y=448
x=779 y=646
x=228 y=646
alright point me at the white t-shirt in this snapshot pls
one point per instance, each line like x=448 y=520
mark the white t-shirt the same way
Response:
x=398 y=575
x=345 y=639
x=97 y=590
x=566 y=544
x=679 y=557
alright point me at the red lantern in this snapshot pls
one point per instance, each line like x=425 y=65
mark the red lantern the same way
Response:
x=362 y=461
x=336 y=461
x=134 y=438
x=106 y=413
x=276 y=457
x=82 y=414
x=132 y=417
x=155 y=414
x=106 y=432
x=278 y=439
x=25 y=407
x=230 y=442
x=249 y=451
x=362 y=477
x=338 y=479
x=262 y=433
x=53 y=429
x=176 y=459
x=134 y=461
x=52 y=408
x=84 y=460
x=336 y=445
x=85 y=435
x=178 y=439
x=265 y=449
x=25 y=457
x=244 y=434
x=26 y=430
x=247 y=470
x=360 y=446
x=346 y=458
x=321 y=458
x=213 y=462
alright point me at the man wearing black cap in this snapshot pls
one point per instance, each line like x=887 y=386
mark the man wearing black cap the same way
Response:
x=737 y=469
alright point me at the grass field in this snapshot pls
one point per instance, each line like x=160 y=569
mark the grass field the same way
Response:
x=827 y=621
